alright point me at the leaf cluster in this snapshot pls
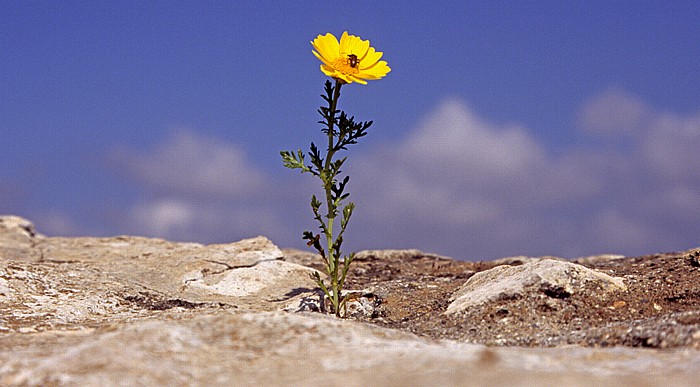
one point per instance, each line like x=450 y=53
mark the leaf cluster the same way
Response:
x=341 y=130
x=348 y=131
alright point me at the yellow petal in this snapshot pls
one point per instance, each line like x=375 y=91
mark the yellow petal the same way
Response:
x=321 y=58
x=360 y=48
x=344 y=77
x=370 y=59
x=330 y=71
x=327 y=46
x=358 y=80
x=333 y=73
x=375 y=72
x=345 y=41
x=380 y=64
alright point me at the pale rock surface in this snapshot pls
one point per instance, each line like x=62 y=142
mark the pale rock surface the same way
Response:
x=188 y=271
x=551 y=277
x=521 y=259
x=273 y=348
x=58 y=283
x=394 y=254
x=138 y=311
x=593 y=259
x=17 y=236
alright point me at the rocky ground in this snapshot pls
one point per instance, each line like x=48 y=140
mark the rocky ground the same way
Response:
x=140 y=311
x=659 y=307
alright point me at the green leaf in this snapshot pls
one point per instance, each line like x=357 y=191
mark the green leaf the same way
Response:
x=316 y=158
x=317 y=278
x=293 y=161
x=315 y=204
x=347 y=260
x=347 y=213
x=338 y=189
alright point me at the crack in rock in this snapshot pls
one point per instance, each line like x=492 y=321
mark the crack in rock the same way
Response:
x=244 y=280
x=206 y=272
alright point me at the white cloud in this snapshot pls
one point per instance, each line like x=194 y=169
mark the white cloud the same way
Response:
x=165 y=217
x=189 y=163
x=457 y=185
x=614 y=113
x=453 y=135
x=670 y=148
x=615 y=228
x=55 y=223
x=468 y=188
x=459 y=169
x=192 y=220
x=197 y=188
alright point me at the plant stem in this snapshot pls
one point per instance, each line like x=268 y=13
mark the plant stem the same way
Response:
x=332 y=259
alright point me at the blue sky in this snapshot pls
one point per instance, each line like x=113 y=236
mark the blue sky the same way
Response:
x=504 y=128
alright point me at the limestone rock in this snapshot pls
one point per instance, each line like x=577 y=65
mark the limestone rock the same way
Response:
x=17 y=236
x=70 y=283
x=141 y=311
x=274 y=348
x=395 y=254
x=522 y=259
x=11 y=224
x=558 y=279
x=188 y=271
x=597 y=259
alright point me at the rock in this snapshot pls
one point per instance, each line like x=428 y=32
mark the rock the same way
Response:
x=556 y=279
x=64 y=283
x=17 y=237
x=273 y=348
x=396 y=254
x=301 y=257
x=597 y=259
x=11 y=224
x=360 y=304
x=141 y=311
x=187 y=271
x=521 y=259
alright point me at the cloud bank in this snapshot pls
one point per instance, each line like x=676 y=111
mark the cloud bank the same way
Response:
x=486 y=190
x=191 y=164
x=197 y=188
x=456 y=185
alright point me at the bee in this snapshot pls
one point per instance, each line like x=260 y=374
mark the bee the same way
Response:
x=352 y=60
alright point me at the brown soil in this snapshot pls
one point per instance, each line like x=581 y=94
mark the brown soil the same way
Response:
x=411 y=291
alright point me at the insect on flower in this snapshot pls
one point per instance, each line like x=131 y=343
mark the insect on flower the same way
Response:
x=352 y=60
x=349 y=59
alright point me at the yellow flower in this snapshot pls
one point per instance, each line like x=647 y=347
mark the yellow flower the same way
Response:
x=350 y=60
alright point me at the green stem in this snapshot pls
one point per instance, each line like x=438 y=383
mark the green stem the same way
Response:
x=331 y=121
x=332 y=259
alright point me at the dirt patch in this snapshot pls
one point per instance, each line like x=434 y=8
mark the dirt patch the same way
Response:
x=152 y=302
x=660 y=307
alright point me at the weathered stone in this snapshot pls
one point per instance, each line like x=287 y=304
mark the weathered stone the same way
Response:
x=11 y=224
x=43 y=296
x=140 y=311
x=395 y=254
x=64 y=283
x=17 y=237
x=522 y=259
x=189 y=271
x=557 y=279
x=597 y=259
x=225 y=348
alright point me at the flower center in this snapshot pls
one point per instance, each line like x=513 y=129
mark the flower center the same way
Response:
x=347 y=64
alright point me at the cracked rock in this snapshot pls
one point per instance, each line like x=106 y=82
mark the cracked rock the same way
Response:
x=143 y=311
x=246 y=281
